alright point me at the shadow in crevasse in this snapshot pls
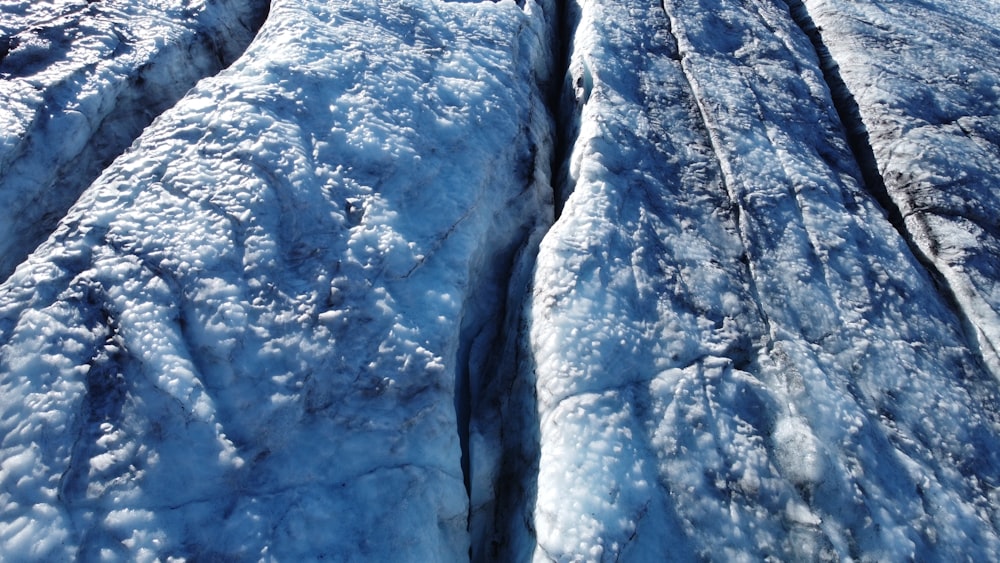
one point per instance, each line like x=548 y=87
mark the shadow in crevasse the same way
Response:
x=859 y=140
x=505 y=531
x=850 y=115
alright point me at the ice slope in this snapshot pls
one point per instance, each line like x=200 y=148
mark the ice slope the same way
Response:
x=250 y=338
x=80 y=79
x=922 y=80
x=736 y=356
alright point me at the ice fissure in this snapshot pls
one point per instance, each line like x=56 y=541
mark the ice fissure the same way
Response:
x=732 y=204
x=546 y=280
x=940 y=175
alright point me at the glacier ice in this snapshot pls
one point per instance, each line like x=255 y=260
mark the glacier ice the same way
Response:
x=243 y=341
x=531 y=280
x=923 y=83
x=80 y=79
x=737 y=355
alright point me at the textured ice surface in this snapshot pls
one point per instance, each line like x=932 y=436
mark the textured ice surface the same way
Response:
x=244 y=339
x=80 y=79
x=924 y=78
x=737 y=356
x=316 y=311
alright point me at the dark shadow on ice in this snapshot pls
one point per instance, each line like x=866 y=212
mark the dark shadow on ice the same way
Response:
x=562 y=105
x=849 y=113
x=507 y=531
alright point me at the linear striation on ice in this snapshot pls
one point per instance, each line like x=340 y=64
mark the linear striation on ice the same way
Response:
x=923 y=80
x=737 y=356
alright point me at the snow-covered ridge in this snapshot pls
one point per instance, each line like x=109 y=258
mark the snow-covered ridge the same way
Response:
x=80 y=80
x=323 y=307
x=245 y=339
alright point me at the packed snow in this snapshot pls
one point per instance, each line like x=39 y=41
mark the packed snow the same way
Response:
x=500 y=281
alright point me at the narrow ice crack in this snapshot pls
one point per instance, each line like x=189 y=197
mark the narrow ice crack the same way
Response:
x=849 y=113
x=490 y=356
x=725 y=177
x=566 y=118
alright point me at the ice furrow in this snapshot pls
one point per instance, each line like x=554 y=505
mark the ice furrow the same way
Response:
x=859 y=140
x=81 y=84
x=722 y=164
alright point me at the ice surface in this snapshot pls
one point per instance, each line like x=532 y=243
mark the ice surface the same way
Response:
x=737 y=356
x=924 y=80
x=80 y=80
x=244 y=340
x=317 y=310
